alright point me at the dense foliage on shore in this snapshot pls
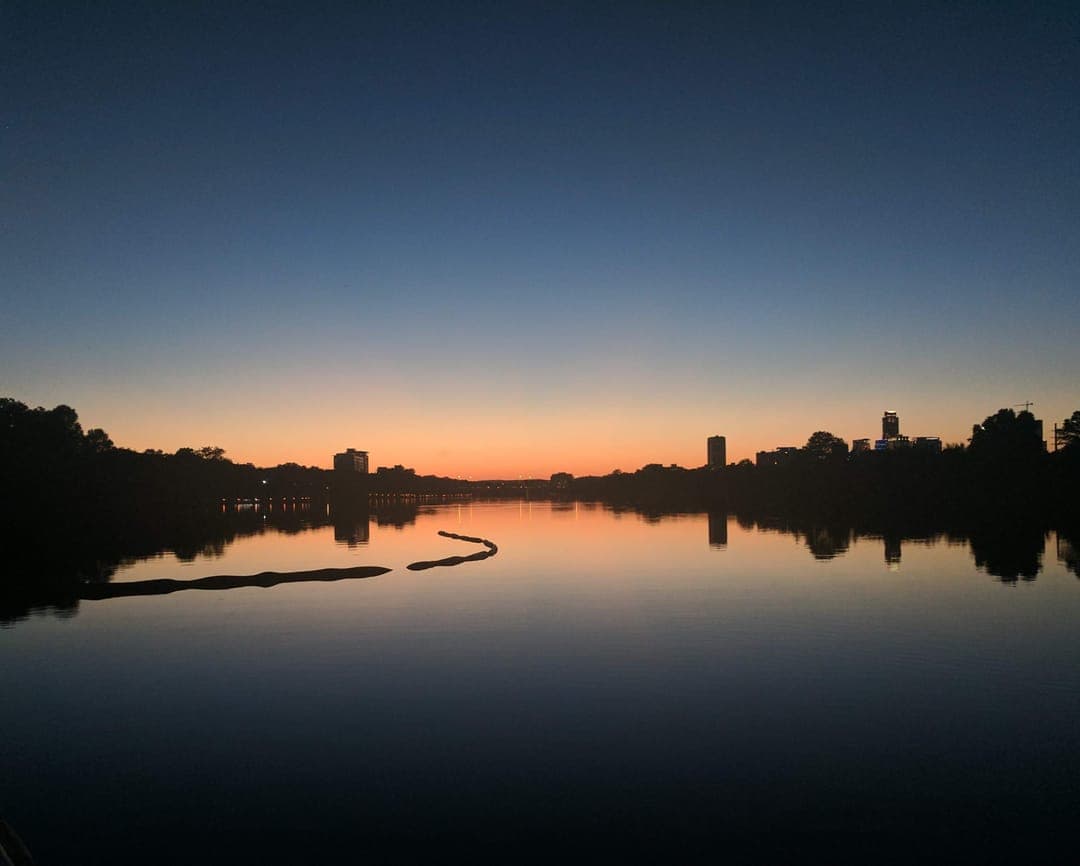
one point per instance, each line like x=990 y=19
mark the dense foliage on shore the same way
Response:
x=49 y=463
x=108 y=504
x=1005 y=468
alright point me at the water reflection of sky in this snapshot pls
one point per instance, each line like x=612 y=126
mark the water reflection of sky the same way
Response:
x=568 y=534
x=601 y=667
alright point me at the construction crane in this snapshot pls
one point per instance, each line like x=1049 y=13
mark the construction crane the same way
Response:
x=1027 y=405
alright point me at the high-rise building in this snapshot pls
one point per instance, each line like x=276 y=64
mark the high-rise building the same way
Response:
x=351 y=460
x=890 y=425
x=717 y=452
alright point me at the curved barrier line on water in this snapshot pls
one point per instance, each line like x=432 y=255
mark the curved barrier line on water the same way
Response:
x=457 y=560
x=266 y=579
x=165 y=585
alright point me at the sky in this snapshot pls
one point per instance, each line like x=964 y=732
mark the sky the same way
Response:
x=503 y=239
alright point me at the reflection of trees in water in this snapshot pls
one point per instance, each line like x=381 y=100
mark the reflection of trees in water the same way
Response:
x=397 y=513
x=42 y=575
x=823 y=540
x=1008 y=550
x=1009 y=553
x=650 y=514
x=828 y=542
x=16 y=605
x=189 y=553
x=1068 y=550
x=45 y=576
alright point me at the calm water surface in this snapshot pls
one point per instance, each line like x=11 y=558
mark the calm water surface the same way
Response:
x=606 y=682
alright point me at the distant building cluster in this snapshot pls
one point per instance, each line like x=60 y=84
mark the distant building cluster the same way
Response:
x=397 y=470
x=351 y=460
x=777 y=457
x=891 y=438
x=354 y=461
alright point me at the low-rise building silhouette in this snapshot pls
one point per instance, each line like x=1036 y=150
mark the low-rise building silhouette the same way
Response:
x=928 y=443
x=351 y=460
x=780 y=457
x=892 y=440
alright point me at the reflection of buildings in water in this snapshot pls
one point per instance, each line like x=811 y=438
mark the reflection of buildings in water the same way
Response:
x=352 y=529
x=718 y=529
x=892 y=551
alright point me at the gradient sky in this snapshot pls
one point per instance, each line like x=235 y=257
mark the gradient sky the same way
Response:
x=511 y=239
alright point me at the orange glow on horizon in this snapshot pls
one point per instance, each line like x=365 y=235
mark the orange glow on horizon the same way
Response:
x=484 y=439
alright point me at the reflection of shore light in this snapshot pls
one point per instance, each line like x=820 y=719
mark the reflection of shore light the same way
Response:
x=894 y=566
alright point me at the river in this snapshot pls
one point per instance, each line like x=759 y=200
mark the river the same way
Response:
x=608 y=683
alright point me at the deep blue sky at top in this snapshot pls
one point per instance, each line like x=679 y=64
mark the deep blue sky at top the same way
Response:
x=563 y=204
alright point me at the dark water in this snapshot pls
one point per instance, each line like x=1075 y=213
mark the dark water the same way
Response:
x=606 y=686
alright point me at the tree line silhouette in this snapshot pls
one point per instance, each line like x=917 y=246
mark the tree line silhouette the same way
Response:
x=54 y=578
x=1004 y=469
x=111 y=504
x=49 y=463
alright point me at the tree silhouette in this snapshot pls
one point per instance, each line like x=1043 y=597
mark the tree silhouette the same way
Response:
x=1070 y=431
x=97 y=441
x=1007 y=435
x=823 y=445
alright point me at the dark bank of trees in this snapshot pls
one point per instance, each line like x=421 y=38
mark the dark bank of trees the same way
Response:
x=74 y=504
x=49 y=464
x=47 y=461
x=1005 y=469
